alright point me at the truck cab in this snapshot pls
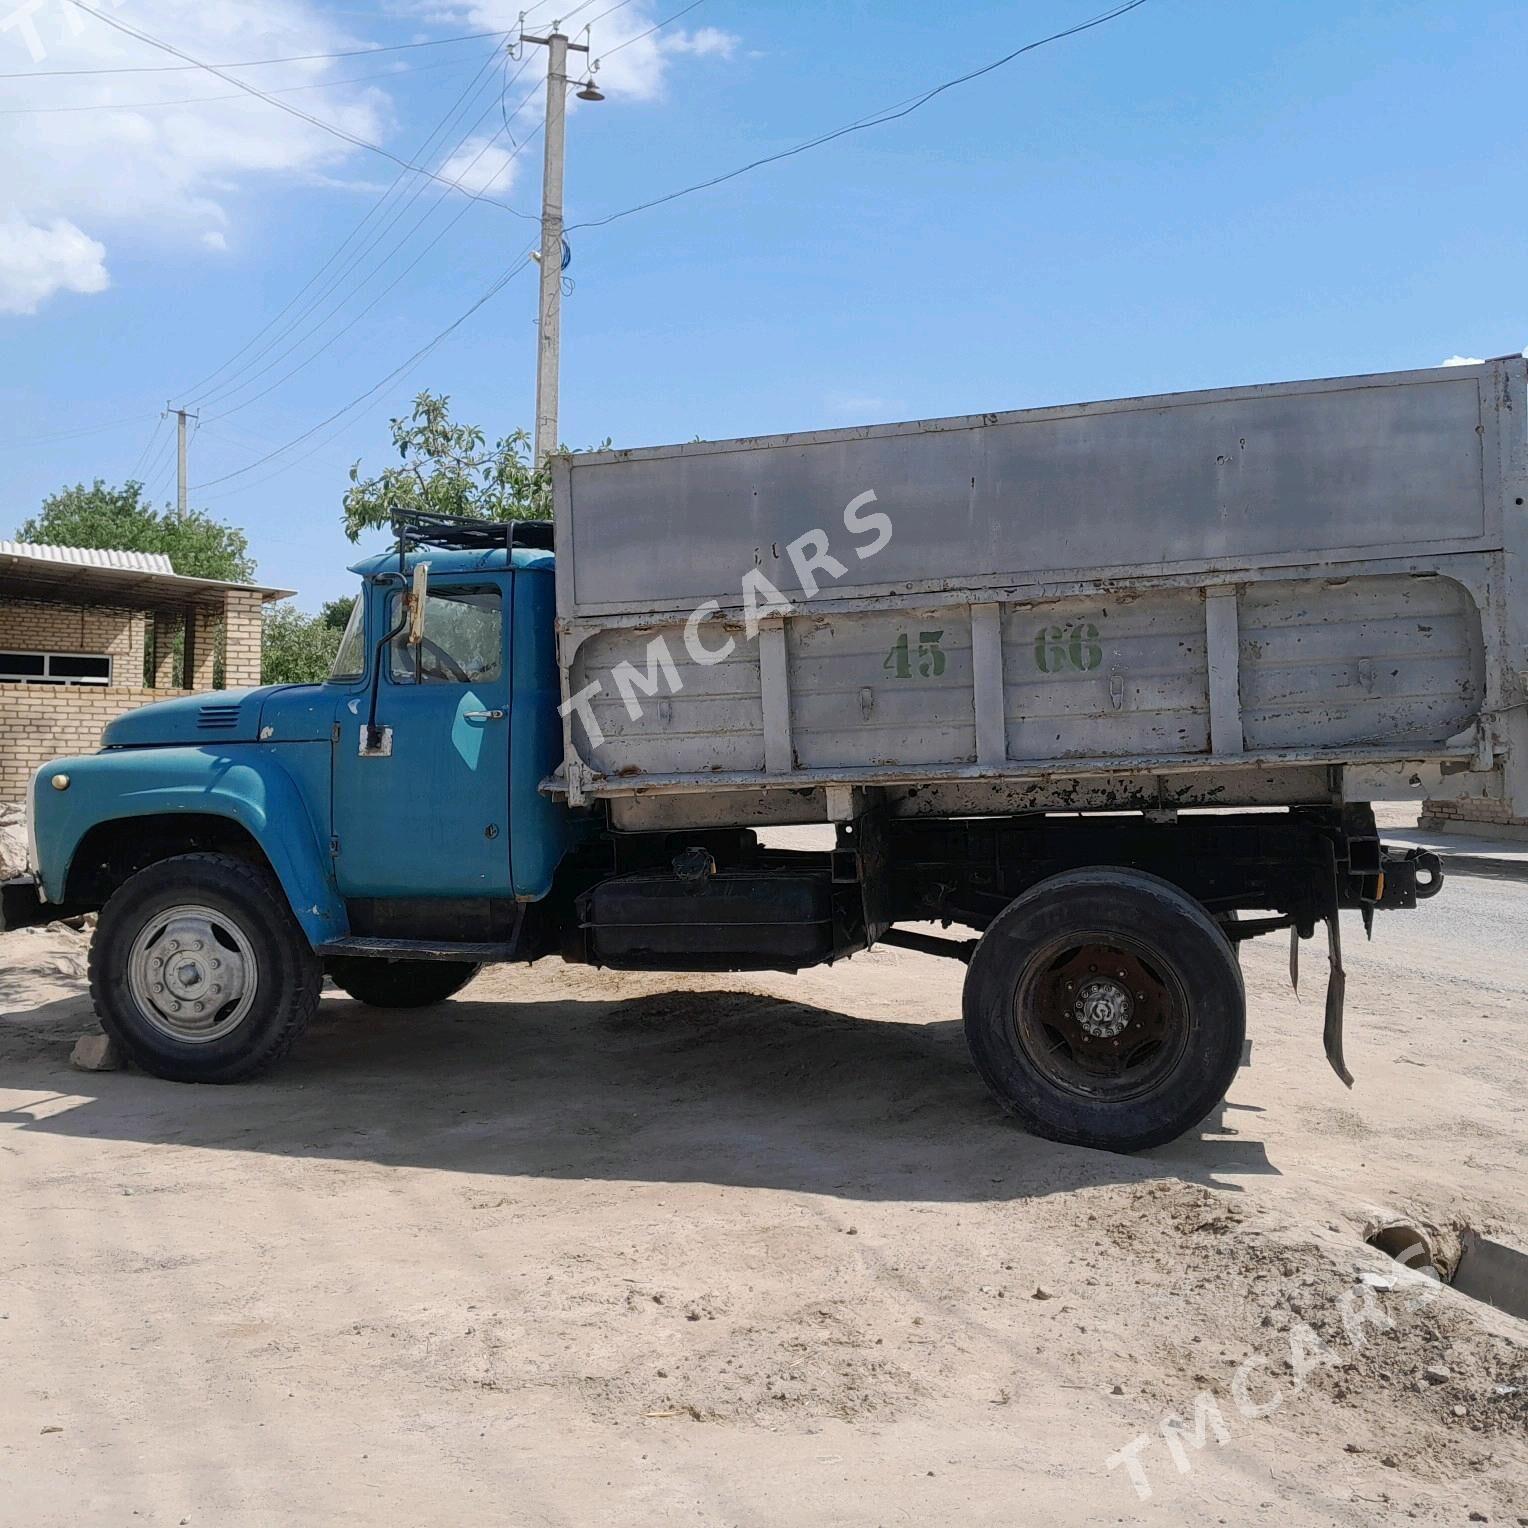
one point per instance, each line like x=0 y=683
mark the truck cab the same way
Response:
x=465 y=715
x=385 y=825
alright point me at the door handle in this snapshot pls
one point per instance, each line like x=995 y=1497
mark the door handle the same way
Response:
x=484 y=716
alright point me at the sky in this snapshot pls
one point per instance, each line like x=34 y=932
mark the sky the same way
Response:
x=1199 y=193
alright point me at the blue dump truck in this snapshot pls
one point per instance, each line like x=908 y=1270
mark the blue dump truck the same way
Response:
x=1081 y=697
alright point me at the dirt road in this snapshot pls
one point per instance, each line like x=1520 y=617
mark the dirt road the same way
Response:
x=585 y=1248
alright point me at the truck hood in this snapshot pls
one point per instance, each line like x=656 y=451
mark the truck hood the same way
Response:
x=219 y=716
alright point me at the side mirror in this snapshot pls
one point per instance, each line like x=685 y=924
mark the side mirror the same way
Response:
x=416 y=604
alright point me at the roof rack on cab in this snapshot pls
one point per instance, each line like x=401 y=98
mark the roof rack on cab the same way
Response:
x=417 y=528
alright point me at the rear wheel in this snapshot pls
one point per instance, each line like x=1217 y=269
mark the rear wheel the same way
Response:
x=1225 y=922
x=400 y=983
x=1105 y=1008
x=199 y=971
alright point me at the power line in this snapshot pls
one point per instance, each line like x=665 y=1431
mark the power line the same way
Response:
x=244 y=377
x=252 y=63
x=143 y=455
x=295 y=465
x=531 y=10
x=93 y=429
x=619 y=5
x=562 y=21
x=874 y=119
x=240 y=434
x=293 y=111
x=307 y=361
x=160 y=468
x=658 y=27
x=493 y=291
x=198 y=389
x=354 y=79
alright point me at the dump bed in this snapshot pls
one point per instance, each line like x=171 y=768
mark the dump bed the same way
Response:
x=1263 y=594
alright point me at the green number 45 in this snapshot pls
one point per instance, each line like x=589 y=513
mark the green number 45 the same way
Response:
x=927 y=663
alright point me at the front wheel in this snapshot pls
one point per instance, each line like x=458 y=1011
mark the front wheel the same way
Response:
x=199 y=971
x=399 y=983
x=1104 y=1008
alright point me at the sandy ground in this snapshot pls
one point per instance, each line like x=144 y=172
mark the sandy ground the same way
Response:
x=584 y=1248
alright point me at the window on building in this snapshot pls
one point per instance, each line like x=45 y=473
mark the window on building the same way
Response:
x=54 y=668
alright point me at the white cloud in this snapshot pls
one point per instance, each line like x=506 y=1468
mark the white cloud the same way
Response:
x=481 y=164
x=638 y=71
x=1469 y=360
x=157 y=168
x=83 y=182
x=37 y=260
x=703 y=42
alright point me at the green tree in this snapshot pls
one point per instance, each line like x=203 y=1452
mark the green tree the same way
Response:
x=298 y=648
x=336 y=613
x=450 y=469
x=102 y=516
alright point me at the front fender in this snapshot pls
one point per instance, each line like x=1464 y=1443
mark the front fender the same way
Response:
x=246 y=783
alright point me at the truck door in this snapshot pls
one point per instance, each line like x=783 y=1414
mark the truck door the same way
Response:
x=427 y=814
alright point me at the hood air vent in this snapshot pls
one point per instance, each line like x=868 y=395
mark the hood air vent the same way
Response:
x=218 y=718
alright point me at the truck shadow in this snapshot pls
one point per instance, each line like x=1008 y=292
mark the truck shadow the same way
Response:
x=731 y=1088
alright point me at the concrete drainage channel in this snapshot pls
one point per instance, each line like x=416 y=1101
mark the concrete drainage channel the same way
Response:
x=1485 y=1270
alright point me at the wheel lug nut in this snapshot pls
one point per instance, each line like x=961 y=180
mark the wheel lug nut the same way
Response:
x=198 y=1007
x=196 y=944
x=217 y=965
x=158 y=986
x=175 y=1007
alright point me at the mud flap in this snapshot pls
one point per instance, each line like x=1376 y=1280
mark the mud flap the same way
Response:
x=1336 y=987
x=1294 y=958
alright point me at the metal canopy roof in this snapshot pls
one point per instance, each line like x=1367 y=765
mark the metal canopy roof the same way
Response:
x=138 y=580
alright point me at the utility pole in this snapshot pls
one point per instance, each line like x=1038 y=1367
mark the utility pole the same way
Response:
x=180 y=456
x=549 y=313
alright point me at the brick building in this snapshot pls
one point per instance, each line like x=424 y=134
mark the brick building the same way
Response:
x=1500 y=819
x=86 y=635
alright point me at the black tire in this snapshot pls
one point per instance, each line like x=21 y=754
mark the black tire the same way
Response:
x=400 y=983
x=1076 y=956
x=1225 y=922
x=253 y=930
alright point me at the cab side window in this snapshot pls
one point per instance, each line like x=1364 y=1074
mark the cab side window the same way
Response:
x=463 y=638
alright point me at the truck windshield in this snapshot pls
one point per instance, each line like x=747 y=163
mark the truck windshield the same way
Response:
x=350 y=659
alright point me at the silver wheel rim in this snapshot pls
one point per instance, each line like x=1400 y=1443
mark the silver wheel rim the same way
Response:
x=192 y=973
